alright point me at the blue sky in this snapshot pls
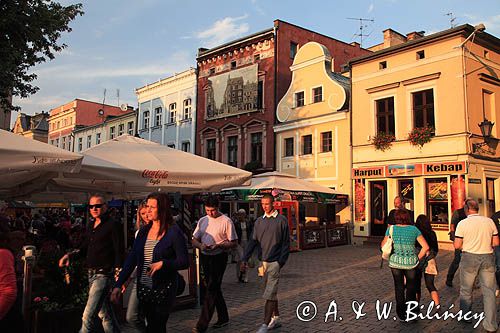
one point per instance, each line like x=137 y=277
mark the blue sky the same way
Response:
x=125 y=44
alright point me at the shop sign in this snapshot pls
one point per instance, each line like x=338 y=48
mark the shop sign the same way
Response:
x=375 y=172
x=444 y=168
x=474 y=181
x=396 y=170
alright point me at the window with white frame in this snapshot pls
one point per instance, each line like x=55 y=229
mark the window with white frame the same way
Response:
x=112 y=132
x=80 y=144
x=307 y=144
x=317 y=94
x=187 y=109
x=57 y=142
x=98 y=138
x=288 y=147
x=130 y=128
x=172 y=113
x=256 y=147
x=299 y=99
x=121 y=129
x=63 y=142
x=211 y=149
x=89 y=141
x=326 y=141
x=146 y=120
x=423 y=108
x=158 y=114
x=232 y=150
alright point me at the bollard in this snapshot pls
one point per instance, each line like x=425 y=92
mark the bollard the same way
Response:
x=29 y=259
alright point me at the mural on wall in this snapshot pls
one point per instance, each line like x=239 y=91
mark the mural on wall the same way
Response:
x=232 y=93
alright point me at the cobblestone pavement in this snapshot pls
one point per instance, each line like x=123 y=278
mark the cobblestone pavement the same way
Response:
x=342 y=274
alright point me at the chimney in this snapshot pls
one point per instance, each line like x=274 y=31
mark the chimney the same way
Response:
x=355 y=44
x=415 y=35
x=392 y=38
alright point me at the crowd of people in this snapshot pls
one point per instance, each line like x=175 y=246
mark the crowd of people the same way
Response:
x=415 y=246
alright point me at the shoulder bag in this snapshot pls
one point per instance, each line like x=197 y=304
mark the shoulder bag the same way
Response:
x=387 y=248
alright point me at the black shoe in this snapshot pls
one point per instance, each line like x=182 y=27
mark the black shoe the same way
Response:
x=449 y=283
x=220 y=324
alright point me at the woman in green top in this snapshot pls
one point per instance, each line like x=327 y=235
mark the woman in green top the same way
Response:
x=404 y=259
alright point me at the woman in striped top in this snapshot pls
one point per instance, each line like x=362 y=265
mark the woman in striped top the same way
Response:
x=159 y=252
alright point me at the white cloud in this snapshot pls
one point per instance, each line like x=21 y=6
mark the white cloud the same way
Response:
x=370 y=8
x=258 y=8
x=224 y=30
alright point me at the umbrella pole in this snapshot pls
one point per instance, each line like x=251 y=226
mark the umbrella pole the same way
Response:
x=125 y=223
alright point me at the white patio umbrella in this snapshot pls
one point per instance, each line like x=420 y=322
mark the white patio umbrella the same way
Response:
x=128 y=165
x=26 y=164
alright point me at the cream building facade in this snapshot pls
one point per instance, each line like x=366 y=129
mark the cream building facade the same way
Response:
x=449 y=82
x=167 y=111
x=312 y=136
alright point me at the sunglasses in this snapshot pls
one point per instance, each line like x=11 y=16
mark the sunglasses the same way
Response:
x=97 y=206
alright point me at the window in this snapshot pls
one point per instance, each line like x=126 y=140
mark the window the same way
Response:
x=317 y=94
x=146 y=120
x=158 y=113
x=171 y=145
x=293 y=49
x=420 y=55
x=186 y=146
x=490 y=196
x=63 y=142
x=64 y=122
x=211 y=149
x=172 y=115
x=260 y=95
x=488 y=103
x=299 y=99
x=382 y=65
x=307 y=144
x=130 y=127
x=326 y=142
x=256 y=57
x=256 y=147
x=112 y=133
x=385 y=115
x=232 y=150
x=58 y=124
x=80 y=144
x=423 y=108
x=57 y=142
x=121 y=129
x=98 y=138
x=233 y=64
x=437 y=201
x=212 y=70
x=288 y=147
x=187 y=109
x=89 y=141
x=52 y=142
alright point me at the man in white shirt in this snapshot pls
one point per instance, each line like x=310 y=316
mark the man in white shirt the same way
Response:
x=214 y=236
x=476 y=236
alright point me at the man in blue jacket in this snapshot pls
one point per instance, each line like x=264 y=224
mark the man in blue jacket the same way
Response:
x=271 y=233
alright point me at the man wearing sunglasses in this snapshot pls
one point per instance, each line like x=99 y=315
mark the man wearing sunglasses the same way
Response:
x=104 y=253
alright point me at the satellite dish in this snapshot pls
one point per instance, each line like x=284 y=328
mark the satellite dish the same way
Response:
x=124 y=107
x=283 y=113
x=100 y=112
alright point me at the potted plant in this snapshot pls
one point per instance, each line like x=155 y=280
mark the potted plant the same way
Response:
x=420 y=136
x=383 y=141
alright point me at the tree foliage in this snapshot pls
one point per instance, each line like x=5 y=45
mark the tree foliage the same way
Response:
x=29 y=34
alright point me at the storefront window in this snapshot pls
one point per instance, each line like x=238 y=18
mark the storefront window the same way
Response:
x=406 y=191
x=437 y=202
x=490 y=196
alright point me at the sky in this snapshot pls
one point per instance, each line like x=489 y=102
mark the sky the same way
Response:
x=126 y=44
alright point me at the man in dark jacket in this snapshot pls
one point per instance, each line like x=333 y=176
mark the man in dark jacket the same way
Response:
x=104 y=247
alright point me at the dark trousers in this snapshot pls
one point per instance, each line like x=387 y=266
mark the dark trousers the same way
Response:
x=429 y=281
x=157 y=315
x=399 y=276
x=454 y=266
x=213 y=272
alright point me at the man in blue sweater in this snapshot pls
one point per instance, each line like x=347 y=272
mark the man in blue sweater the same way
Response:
x=272 y=234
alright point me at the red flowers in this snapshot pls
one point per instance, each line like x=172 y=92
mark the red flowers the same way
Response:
x=383 y=141
x=420 y=135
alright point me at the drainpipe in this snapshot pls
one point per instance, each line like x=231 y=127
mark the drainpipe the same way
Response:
x=275 y=32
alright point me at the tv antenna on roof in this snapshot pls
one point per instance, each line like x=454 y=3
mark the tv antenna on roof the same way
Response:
x=362 y=25
x=452 y=19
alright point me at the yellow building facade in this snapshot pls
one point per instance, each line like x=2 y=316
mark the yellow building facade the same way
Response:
x=312 y=135
x=447 y=82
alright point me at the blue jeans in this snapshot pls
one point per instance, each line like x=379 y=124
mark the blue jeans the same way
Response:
x=482 y=265
x=133 y=314
x=98 y=306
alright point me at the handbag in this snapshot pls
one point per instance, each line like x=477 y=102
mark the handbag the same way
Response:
x=431 y=268
x=387 y=248
x=153 y=296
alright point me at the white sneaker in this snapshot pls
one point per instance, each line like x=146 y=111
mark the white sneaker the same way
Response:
x=274 y=323
x=262 y=329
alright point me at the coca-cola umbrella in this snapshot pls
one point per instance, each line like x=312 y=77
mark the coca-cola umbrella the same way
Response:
x=27 y=164
x=128 y=165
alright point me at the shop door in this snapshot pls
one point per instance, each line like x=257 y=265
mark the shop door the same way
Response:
x=378 y=207
x=290 y=209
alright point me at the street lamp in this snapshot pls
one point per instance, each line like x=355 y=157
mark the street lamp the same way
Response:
x=486 y=126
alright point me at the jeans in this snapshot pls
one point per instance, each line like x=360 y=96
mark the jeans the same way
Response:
x=399 y=276
x=133 y=316
x=454 y=266
x=482 y=265
x=98 y=305
x=213 y=270
x=497 y=265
